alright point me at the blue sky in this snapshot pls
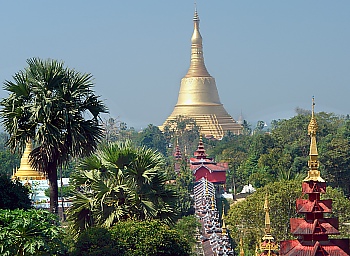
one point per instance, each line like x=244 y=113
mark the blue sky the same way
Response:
x=268 y=57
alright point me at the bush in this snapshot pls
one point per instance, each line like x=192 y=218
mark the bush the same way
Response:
x=30 y=232
x=13 y=195
x=132 y=238
x=95 y=241
x=148 y=238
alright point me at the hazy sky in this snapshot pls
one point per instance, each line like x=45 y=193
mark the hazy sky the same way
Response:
x=268 y=57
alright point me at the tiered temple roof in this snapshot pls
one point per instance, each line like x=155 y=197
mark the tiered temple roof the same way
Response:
x=203 y=166
x=313 y=230
x=214 y=235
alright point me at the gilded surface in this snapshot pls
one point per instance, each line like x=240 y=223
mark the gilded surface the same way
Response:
x=198 y=96
x=26 y=172
x=313 y=163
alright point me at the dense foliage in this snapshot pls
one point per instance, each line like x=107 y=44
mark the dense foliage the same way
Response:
x=30 y=232
x=132 y=238
x=182 y=131
x=188 y=227
x=281 y=152
x=13 y=195
x=120 y=182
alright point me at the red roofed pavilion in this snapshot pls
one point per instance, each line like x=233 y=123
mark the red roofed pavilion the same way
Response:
x=204 y=167
x=313 y=230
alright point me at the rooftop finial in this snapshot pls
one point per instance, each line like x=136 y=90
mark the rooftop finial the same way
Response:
x=268 y=245
x=241 y=250
x=267 y=220
x=314 y=173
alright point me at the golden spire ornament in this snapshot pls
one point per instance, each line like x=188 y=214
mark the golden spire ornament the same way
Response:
x=223 y=227
x=267 y=235
x=268 y=246
x=241 y=250
x=313 y=163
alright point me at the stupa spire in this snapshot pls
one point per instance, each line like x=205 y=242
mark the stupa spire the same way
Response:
x=268 y=246
x=241 y=250
x=268 y=235
x=197 y=66
x=313 y=163
x=223 y=227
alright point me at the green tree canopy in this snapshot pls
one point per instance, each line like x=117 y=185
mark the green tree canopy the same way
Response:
x=153 y=138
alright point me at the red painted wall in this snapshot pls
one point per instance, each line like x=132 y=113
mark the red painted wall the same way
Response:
x=215 y=177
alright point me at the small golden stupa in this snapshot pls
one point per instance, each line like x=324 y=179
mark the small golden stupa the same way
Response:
x=268 y=246
x=198 y=96
x=25 y=171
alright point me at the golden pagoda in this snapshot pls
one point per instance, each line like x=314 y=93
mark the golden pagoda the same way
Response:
x=268 y=246
x=198 y=96
x=25 y=171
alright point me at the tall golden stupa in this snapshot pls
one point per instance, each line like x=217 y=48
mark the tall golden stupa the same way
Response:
x=25 y=171
x=198 y=96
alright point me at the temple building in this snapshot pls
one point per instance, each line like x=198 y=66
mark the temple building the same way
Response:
x=313 y=230
x=198 y=97
x=204 y=167
x=25 y=171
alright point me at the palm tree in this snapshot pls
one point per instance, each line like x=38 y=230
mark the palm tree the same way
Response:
x=120 y=182
x=56 y=107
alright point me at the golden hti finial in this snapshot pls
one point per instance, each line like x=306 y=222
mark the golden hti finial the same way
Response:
x=212 y=203
x=257 y=250
x=313 y=163
x=241 y=250
x=268 y=245
x=267 y=235
x=197 y=66
x=224 y=230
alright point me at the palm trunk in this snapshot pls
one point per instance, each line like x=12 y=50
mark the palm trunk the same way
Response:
x=52 y=175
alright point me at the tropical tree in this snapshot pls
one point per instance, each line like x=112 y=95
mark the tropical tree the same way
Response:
x=152 y=137
x=56 y=107
x=182 y=131
x=119 y=182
